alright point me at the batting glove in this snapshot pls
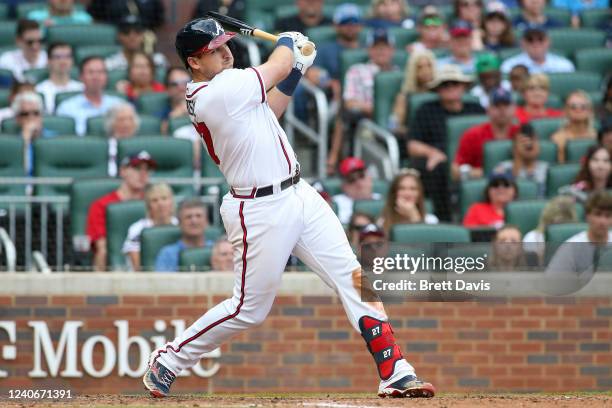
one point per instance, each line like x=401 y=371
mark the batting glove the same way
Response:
x=303 y=62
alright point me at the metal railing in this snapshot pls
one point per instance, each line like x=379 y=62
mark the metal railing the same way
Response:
x=376 y=144
x=8 y=247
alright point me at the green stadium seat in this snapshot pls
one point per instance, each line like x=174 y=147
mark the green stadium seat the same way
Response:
x=564 y=83
x=371 y=207
x=576 y=149
x=153 y=103
x=556 y=234
x=11 y=165
x=544 y=128
x=594 y=18
x=559 y=176
x=213 y=233
x=62 y=125
x=3 y=12
x=4 y=97
x=195 y=259
x=403 y=36
x=426 y=233
x=176 y=123
x=506 y=53
x=103 y=51
x=82 y=34
x=380 y=186
x=114 y=76
x=554 y=101
x=264 y=20
x=500 y=150
x=68 y=156
x=62 y=96
x=386 y=87
x=415 y=101
x=455 y=127
x=525 y=214
x=36 y=75
x=472 y=191
x=208 y=167
x=7 y=33
x=597 y=60
x=149 y=125
x=351 y=57
x=321 y=34
x=119 y=217
x=152 y=240
x=333 y=185
x=569 y=40
x=563 y=16
x=472 y=250
x=82 y=194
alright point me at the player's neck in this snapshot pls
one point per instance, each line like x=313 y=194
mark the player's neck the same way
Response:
x=197 y=76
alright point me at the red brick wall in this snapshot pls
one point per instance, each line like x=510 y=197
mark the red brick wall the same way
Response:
x=306 y=343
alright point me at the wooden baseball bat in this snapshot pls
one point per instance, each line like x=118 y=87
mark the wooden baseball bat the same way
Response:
x=243 y=28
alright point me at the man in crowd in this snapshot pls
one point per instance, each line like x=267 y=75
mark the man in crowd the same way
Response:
x=431 y=29
x=30 y=53
x=134 y=172
x=532 y=12
x=460 y=47
x=489 y=78
x=59 y=12
x=356 y=185
x=222 y=258
x=310 y=14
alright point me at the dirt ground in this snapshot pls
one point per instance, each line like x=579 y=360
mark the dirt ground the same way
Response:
x=325 y=401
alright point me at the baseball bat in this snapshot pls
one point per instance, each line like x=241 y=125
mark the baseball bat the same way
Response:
x=243 y=28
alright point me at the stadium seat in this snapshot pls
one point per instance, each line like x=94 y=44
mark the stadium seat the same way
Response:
x=426 y=233
x=67 y=156
x=456 y=126
x=176 y=123
x=7 y=33
x=119 y=217
x=82 y=194
x=3 y=12
x=597 y=60
x=499 y=150
x=62 y=96
x=472 y=250
x=380 y=186
x=62 y=125
x=544 y=128
x=153 y=103
x=564 y=83
x=371 y=207
x=114 y=76
x=152 y=240
x=563 y=16
x=525 y=214
x=6 y=78
x=4 y=97
x=208 y=167
x=195 y=259
x=506 y=53
x=103 y=51
x=569 y=40
x=213 y=233
x=358 y=56
x=149 y=125
x=321 y=34
x=403 y=36
x=82 y=34
x=554 y=101
x=594 y=18
x=262 y=19
x=576 y=149
x=559 y=176
x=556 y=234
x=386 y=87
x=472 y=191
x=333 y=185
x=416 y=100
x=11 y=165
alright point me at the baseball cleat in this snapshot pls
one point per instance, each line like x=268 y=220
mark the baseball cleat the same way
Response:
x=158 y=379
x=409 y=386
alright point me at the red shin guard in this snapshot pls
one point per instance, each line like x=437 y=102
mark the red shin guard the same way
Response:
x=379 y=338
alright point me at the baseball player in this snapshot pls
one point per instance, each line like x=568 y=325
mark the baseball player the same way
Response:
x=269 y=213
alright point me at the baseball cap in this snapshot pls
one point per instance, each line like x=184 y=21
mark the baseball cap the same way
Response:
x=487 y=62
x=347 y=13
x=380 y=35
x=371 y=230
x=499 y=96
x=497 y=7
x=460 y=28
x=135 y=159
x=351 y=164
x=130 y=22
x=534 y=29
x=430 y=16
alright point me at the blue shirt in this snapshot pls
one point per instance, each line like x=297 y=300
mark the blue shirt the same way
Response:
x=578 y=6
x=79 y=108
x=467 y=69
x=552 y=64
x=168 y=257
x=76 y=17
x=520 y=23
x=44 y=134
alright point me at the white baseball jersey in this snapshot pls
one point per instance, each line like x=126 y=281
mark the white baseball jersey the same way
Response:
x=239 y=130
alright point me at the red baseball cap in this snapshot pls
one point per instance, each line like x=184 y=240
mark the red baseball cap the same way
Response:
x=351 y=164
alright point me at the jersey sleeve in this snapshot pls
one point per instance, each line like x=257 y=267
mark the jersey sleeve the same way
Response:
x=96 y=221
x=242 y=89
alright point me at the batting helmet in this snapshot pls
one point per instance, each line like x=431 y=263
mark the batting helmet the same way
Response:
x=198 y=36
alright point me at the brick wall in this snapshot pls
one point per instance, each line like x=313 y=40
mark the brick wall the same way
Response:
x=306 y=344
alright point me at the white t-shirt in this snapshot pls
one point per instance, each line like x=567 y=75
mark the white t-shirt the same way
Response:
x=239 y=130
x=345 y=206
x=132 y=240
x=49 y=90
x=533 y=241
x=583 y=237
x=186 y=132
x=16 y=62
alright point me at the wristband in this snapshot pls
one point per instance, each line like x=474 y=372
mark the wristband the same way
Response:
x=287 y=85
x=286 y=41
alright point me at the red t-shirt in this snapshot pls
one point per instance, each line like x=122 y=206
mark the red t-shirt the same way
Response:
x=471 y=144
x=155 y=87
x=523 y=116
x=96 y=218
x=482 y=215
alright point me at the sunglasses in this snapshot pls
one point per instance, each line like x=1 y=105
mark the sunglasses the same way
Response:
x=24 y=114
x=358 y=227
x=535 y=38
x=501 y=183
x=354 y=176
x=33 y=41
x=578 y=106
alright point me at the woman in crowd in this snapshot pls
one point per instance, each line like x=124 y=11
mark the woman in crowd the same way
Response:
x=594 y=175
x=390 y=13
x=121 y=122
x=405 y=202
x=536 y=94
x=471 y=11
x=141 y=77
x=579 y=122
x=159 y=202
x=507 y=252
x=497 y=27
x=357 y=223
x=499 y=191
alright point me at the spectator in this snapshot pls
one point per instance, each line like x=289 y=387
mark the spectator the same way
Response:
x=93 y=101
x=59 y=12
x=536 y=56
x=176 y=82
x=605 y=112
x=17 y=88
x=151 y=12
x=60 y=65
x=222 y=258
x=579 y=122
x=406 y=202
x=432 y=31
x=598 y=211
x=489 y=78
x=594 y=175
x=418 y=73
x=390 y=13
x=356 y=185
x=188 y=132
x=131 y=36
x=536 y=95
x=310 y=14
x=507 y=252
x=497 y=27
x=372 y=244
x=357 y=223
x=525 y=163
x=193 y=220
x=470 y=11
x=427 y=134
x=576 y=7
x=232 y=8
x=121 y=122
x=159 y=202
x=134 y=172
x=30 y=53
x=141 y=77
x=519 y=74
x=460 y=47
x=532 y=12
x=604 y=137
x=500 y=190
x=559 y=210
x=469 y=156
x=28 y=108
